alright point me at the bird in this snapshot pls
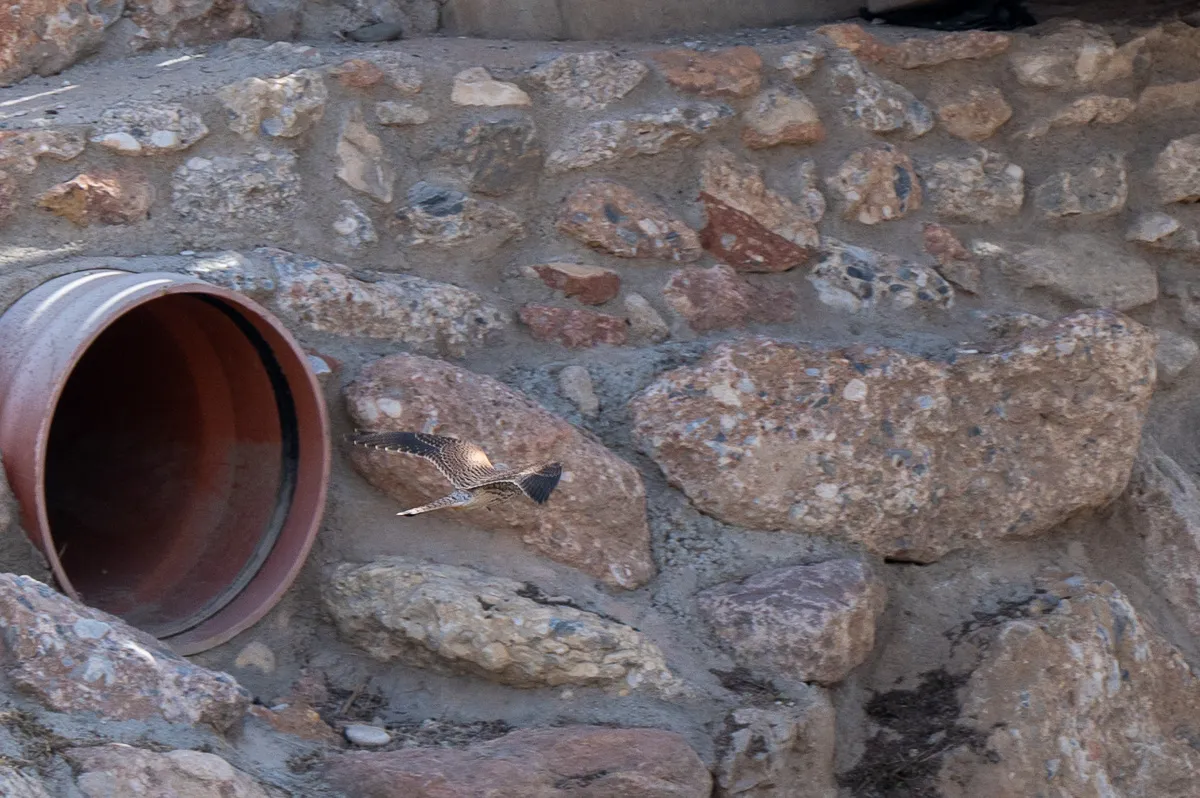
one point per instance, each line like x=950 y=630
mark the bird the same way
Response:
x=476 y=482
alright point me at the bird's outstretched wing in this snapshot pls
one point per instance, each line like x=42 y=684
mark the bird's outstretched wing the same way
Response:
x=537 y=482
x=463 y=463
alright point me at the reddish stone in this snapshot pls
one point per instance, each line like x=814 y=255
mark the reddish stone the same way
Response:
x=782 y=117
x=181 y=23
x=917 y=52
x=569 y=762
x=45 y=36
x=358 y=73
x=298 y=720
x=573 y=327
x=955 y=262
x=103 y=197
x=609 y=216
x=718 y=299
x=591 y=285
x=735 y=72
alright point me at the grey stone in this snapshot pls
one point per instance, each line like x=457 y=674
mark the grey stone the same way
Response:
x=222 y=194
x=1098 y=188
x=575 y=384
x=1177 y=170
x=645 y=323
x=22 y=150
x=610 y=140
x=366 y=736
x=499 y=156
x=458 y=619
x=398 y=114
x=1072 y=55
x=589 y=81
x=476 y=86
x=876 y=104
x=144 y=129
x=441 y=216
x=1174 y=354
x=116 y=769
x=283 y=107
x=362 y=163
x=780 y=751
x=354 y=226
x=982 y=188
x=811 y=623
x=801 y=62
x=1087 y=269
x=19 y=784
x=856 y=278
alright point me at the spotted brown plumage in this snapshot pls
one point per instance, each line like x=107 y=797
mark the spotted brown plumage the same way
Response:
x=477 y=483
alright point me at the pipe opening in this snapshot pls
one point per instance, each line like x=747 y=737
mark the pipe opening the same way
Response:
x=171 y=463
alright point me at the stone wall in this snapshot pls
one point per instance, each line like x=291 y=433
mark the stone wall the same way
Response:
x=867 y=354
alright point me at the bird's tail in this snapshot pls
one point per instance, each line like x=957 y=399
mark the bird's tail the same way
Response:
x=459 y=498
x=539 y=484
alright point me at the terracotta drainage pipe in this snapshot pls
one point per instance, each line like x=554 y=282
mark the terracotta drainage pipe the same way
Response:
x=169 y=446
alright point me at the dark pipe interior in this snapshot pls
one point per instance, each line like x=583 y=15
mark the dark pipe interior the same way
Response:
x=170 y=463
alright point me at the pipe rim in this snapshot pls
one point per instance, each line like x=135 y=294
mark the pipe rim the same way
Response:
x=304 y=509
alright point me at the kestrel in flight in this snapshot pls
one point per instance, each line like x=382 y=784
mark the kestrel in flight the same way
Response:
x=477 y=483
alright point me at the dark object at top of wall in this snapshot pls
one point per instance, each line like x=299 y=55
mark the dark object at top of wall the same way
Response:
x=952 y=15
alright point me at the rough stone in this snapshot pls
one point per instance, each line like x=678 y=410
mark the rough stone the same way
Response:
x=361 y=161
x=801 y=63
x=969 y=112
x=611 y=217
x=1097 y=188
x=736 y=72
x=917 y=52
x=911 y=457
x=645 y=323
x=374 y=68
x=984 y=187
x=17 y=784
x=876 y=104
x=811 y=204
x=596 y=519
x=358 y=73
x=144 y=129
x=610 y=140
x=574 y=328
x=955 y=262
x=1094 y=109
x=256 y=655
x=1076 y=696
x=1153 y=229
x=20 y=150
x=781 y=117
x=780 y=752
x=46 y=37
x=876 y=184
x=326 y=297
x=749 y=226
x=75 y=659
x=562 y=762
x=1087 y=269
x=499 y=156
x=575 y=384
x=1074 y=56
x=476 y=86
x=1174 y=354
x=461 y=620
x=367 y=736
x=297 y=719
x=101 y=198
x=185 y=23
x=224 y=194
x=589 y=81
x=1169 y=99
x=117 y=769
x=810 y=623
x=855 y=278
x=440 y=216
x=355 y=226
x=717 y=298
x=397 y=114
x=1177 y=170
x=591 y=285
x=283 y=107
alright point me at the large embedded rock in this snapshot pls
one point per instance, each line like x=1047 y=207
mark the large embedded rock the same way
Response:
x=735 y=72
x=1093 y=109
x=1177 y=170
x=1075 y=55
x=912 y=457
x=1073 y=695
x=283 y=107
x=595 y=519
x=101 y=197
x=808 y=623
x=1097 y=188
x=1086 y=269
x=477 y=87
x=228 y=194
x=971 y=112
x=779 y=116
x=591 y=285
x=75 y=659
x=115 y=769
x=609 y=216
x=497 y=156
x=984 y=187
x=856 y=278
x=443 y=217
x=47 y=36
x=148 y=129
x=878 y=105
x=19 y=784
x=917 y=52
x=564 y=762
x=717 y=298
x=362 y=163
x=588 y=81
x=611 y=140
x=460 y=620
x=749 y=226
x=22 y=150
x=184 y=23
x=780 y=751
x=876 y=184
x=574 y=328
x=432 y=317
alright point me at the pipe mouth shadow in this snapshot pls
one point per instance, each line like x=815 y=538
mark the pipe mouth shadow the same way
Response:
x=171 y=463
